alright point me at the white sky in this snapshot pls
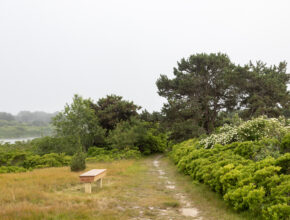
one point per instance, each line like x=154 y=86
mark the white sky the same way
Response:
x=52 y=49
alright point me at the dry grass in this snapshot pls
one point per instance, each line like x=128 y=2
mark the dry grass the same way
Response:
x=55 y=193
x=131 y=189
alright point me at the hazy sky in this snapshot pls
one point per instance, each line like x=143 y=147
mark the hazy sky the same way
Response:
x=52 y=49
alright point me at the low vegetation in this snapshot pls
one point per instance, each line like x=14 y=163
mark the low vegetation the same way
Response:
x=235 y=120
x=251 y=174
x=19 y=161
x=103 y=155
x=78 y=162
x=132 y=188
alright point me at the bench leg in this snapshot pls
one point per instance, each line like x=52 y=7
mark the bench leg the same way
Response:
x=101 y=182
x=88 y=187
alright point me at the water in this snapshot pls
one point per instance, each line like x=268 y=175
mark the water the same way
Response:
x=13 y=140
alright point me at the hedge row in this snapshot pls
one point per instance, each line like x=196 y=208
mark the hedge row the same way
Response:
x=244 y=173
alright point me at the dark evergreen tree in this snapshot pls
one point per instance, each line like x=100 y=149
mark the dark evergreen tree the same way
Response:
x=206 y=87
x=112 y=109
x=202 y=86
x=264 y=90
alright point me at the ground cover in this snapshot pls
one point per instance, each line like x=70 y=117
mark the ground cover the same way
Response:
x=149 y=188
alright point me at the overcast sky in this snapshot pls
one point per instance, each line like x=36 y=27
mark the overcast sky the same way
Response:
x=52 y=49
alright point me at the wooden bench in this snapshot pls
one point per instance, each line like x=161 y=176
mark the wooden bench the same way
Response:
x=91 y=176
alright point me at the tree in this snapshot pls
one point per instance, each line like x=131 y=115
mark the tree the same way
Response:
x=134 y=133
x=6 y=116
x=37 y=118
x=112 y=109
x=154 y=117
x=64 y=144
x=201 y=88
x=264 y=90
x=78 y=121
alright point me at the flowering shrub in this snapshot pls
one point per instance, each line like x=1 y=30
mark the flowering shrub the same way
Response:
x=255 y=129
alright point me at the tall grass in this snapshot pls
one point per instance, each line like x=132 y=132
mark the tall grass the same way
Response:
x=130 y=189
x=56 y=193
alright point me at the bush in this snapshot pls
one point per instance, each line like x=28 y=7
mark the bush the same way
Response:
x=19 y=161
x=284 y=162
x=244 y=173
x=47 y=160
x=78 y=162
x=285 y=144
x=134 y=134
x=45 y=145
x=252 y=130
x=12 y=169
x=99 y=154
x=257 y=150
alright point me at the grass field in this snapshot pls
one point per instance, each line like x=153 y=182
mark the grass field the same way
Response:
x=131 y=190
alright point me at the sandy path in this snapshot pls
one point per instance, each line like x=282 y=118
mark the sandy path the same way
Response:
x=185 y=209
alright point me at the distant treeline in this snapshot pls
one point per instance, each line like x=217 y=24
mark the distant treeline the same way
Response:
x=37 y=118
x=25 y=124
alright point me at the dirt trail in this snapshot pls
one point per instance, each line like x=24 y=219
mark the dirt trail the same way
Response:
x=162 y=183
x=186 y=208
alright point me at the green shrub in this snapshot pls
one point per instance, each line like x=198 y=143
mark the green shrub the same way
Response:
x=45 y=145
x=12 y=169
x=27 y=160
x=47 y=160
x=256 y=150
x=277 y=212
x=250 y=175
x=96 y=154
x=138 y=134
x=284 y=162
x=78 y=162
x=285 y=143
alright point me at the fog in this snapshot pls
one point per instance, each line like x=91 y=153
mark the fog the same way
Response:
x=52 y=49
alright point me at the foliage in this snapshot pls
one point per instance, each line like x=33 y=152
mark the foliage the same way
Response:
x=134 y=134
x=19 y=161
x=78 y=162
x=101 y=154
x=208 y=87
x=264 y=90
x=112 y=109
x=47 y=160
x=285 y=144
x=67 y=144
x=255 y=129
x=13 y=129
x=12 y=169
x=261 y=186
x=25 y=124
x=78 y=121
x=35 y=118
x=154 y=117
x=6 y=116
x=26 y=146
x=201 y=88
